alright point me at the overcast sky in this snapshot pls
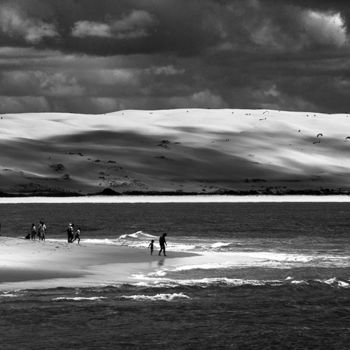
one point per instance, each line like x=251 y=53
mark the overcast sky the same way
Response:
x=96 y=56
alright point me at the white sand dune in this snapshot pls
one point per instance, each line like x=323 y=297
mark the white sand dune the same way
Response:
x=194 y=150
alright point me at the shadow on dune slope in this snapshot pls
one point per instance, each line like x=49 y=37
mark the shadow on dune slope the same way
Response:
x=189 y=159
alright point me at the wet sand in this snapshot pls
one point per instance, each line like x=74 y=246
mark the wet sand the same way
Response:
x=26 y=264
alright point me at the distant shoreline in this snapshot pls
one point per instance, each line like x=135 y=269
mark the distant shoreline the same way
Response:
x=108 y=192
x=178 y=199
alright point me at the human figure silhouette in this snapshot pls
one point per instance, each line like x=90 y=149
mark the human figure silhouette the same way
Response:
x=151 y=246
x=162 y=244
x=70 y=233
x=33 y=232
x=42 y=231
x=77 y=235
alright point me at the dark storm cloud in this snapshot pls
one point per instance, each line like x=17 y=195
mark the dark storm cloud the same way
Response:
x=101 y=55
x=111 y=27
x=180 y=27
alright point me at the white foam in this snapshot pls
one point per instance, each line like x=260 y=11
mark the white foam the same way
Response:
x=208 y=266
x=137 y=235
x=79 y=298
x=203 y=282
x=162 y=297
x=236 y=282
x=280 y=257
x=220 y=245
x=233 y=260
x=159 y=273
x=343 y=284
x=298 y=282
x=179 y=247
x=231 y=282
x=8 y=295
x=337 y=283
x=105 y=241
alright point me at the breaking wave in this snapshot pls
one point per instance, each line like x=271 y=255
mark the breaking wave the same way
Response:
x=138 y=235
x=220 y=245
x=236 y=282
x=161 y=297
x=8 y=295
x=78 y=298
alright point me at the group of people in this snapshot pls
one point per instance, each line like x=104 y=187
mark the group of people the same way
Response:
x=39 y=231
x=71 y=235
x=162 y=244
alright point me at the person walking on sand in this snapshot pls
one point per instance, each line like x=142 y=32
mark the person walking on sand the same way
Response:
x=77 y=235
x=70 y=233
x=33 y=232
x=162 y=244
x=38 y=232
x=151 y=246
x=42 y=231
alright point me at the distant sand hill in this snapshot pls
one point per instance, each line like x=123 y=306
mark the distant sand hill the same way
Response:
x=184 y=150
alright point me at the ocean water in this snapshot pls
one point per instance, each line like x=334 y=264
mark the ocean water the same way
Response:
x=269 y=276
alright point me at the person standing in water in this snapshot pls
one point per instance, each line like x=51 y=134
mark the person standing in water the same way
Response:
x=162 y=244
x=151 y=246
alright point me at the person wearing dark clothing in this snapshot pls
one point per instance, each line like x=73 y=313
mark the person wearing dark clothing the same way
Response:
x=70 y=233
x=162 y=244
x=33 y=232
x=77 y=235
x=151 y=246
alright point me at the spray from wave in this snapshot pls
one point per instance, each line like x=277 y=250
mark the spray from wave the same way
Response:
x=157 y=297
x=237 y=282
x=78 y=298
x=137 y=235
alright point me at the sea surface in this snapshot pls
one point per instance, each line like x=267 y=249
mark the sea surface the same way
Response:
x=273 y=276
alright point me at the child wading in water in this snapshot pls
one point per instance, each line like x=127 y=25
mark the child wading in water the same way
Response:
x=151 y=246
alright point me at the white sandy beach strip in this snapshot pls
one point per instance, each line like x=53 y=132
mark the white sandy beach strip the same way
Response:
x=180 y=199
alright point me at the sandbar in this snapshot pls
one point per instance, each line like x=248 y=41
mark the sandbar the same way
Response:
x=26 y=264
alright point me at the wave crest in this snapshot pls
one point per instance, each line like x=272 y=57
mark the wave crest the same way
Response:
x=236 y=282
x=157 y=297
x=139 y=235
x=78 y=298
